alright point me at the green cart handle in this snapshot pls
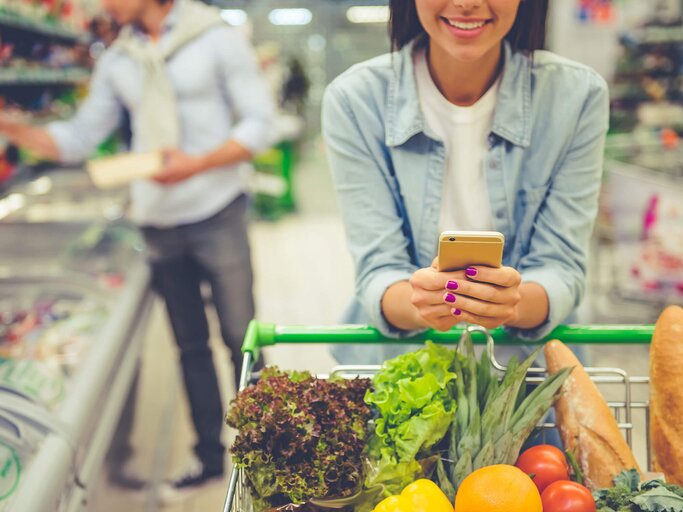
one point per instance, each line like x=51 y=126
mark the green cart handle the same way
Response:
x=260 y=335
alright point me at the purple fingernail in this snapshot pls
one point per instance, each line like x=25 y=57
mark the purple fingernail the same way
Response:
x=451 y=285
x=450 y=298
x=457 y=312
x=471 y=272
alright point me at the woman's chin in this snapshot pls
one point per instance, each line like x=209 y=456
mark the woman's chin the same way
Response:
x=467 y=55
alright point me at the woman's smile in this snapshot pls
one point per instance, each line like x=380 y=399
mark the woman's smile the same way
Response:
x=465 y=27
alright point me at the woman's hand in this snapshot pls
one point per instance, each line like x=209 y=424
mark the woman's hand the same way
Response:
x=489 y=297
x=428 y=287
x=479 y=295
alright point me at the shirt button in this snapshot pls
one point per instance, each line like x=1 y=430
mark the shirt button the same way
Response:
x=494 y=165
x=500 y=214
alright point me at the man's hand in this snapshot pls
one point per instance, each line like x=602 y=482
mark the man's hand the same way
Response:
x=36 y=139
x=178 y=167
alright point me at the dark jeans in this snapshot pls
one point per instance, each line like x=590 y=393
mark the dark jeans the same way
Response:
x=216 y=251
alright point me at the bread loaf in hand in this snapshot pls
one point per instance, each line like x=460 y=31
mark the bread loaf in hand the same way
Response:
x=587 y=425
x=666 y=395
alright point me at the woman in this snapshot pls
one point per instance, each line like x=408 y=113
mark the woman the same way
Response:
x=467 y=126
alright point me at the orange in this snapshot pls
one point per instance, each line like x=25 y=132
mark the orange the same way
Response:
x=499 y=488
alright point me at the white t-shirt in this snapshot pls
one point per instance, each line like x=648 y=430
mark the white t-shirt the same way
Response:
x=464 y=132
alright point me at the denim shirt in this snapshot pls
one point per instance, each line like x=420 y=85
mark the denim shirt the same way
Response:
x=543 y=171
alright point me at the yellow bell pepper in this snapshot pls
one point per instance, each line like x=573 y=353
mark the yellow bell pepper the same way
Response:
x=393 y=504
x=420 y=496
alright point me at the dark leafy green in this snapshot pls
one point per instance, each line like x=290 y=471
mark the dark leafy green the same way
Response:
x=630 y=495
x=628 y=480
x=300 y=437
x=658 y=500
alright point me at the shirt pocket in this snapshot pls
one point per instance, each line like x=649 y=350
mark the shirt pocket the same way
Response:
x=530 y=201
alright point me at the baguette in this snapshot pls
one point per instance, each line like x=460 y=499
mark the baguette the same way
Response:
x=666 y=395
x=586 y=423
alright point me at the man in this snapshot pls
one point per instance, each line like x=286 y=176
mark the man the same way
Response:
x=193 y=89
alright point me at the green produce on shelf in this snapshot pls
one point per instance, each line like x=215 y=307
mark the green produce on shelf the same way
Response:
x=44 y=76
x=274 y=181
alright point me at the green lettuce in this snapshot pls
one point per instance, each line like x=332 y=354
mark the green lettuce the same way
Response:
x=413 y=397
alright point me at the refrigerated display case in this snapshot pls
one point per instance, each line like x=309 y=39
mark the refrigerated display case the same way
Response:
x=74 y=305
x=638 y=258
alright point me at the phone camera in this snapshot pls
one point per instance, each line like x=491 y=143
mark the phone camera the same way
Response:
x=451 y=239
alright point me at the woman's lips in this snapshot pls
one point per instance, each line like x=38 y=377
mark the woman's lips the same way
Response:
x=466 y=28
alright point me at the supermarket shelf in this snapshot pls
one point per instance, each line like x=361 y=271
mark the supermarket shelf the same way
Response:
x=12 y=20
x=90 y=411
x=56 y=454
x=117 y=392
x=42 y=76
x=63 y=470
x=673 y=37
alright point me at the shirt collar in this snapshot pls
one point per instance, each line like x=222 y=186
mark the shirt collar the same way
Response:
x=512 y=117
x=404 y=116
x=173 y=16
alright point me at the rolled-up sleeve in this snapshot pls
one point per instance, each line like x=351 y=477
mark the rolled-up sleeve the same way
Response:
x=374 y=227
x=96 y=118
x=247 y=91
x=558 y=253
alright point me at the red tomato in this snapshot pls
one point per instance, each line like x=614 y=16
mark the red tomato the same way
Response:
x=567 y=497
x=546 y=463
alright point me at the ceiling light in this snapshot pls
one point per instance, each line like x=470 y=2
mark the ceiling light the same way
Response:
x=368 y=14
x=235 y=17
x=40 y=186
x=290 y=16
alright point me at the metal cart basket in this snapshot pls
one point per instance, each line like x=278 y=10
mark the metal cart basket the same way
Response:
x=631 y=411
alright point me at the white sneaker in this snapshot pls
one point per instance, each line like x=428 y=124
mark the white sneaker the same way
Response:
x=127 y=476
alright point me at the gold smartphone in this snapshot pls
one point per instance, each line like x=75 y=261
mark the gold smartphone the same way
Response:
x=462 y=249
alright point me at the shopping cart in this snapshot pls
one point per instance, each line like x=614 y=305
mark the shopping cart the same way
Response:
x=623 y=399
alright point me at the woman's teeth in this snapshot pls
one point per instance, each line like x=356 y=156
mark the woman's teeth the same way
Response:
x=462 y=25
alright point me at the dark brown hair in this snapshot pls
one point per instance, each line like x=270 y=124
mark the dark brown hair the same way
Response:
x=527 y=34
